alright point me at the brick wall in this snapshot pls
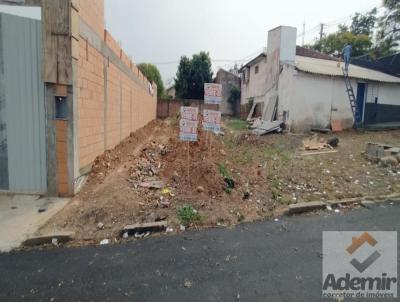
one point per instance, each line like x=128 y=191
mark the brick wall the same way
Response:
x=92 y=11
x=62 y=167
x=111 y=104
x=171 y=108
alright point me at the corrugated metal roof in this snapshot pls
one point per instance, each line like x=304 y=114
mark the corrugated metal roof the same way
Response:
x=330 y=68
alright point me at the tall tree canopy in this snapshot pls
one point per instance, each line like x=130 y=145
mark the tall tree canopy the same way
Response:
x=388 y=37
x=368 y=34
x=336 y=41
x=191 y=76
x=153 y=75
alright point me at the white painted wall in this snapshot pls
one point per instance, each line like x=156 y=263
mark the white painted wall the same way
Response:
x=312 y=100
x=388 y=94
x=256 y=86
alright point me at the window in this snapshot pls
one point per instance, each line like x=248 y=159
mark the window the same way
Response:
x=245 y=75
x=256 y=69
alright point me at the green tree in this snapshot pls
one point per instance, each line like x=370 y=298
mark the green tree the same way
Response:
x=358 y=34
x=336 y=41
x=363 y=24
x=388 y=36
x=191 y=76
x=234 y=98
x=153 y=75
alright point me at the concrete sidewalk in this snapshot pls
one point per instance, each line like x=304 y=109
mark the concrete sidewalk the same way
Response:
x=20 y=218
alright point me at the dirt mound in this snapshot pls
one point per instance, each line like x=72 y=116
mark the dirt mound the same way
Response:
x=112 y=159
x=198 y=168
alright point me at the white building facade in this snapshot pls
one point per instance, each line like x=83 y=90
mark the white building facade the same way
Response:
x=311 y=91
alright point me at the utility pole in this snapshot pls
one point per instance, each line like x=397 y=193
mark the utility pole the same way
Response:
x=304 y=32
x=321 y=32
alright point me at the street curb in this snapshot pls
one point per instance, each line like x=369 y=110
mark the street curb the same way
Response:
x=61 y=237
x=305 y=207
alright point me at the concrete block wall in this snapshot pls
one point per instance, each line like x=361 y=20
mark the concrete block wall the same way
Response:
x=113 y=101
x=92 y=11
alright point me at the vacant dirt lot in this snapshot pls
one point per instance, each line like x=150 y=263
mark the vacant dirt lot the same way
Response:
x=266 y=173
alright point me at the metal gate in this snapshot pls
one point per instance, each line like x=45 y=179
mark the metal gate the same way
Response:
x=22 y=106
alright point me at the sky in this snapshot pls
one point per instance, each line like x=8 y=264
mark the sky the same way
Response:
x=232 y=31
x=161 y=31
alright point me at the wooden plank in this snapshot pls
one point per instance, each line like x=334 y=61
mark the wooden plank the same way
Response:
x=317 y=153
x=57 y=44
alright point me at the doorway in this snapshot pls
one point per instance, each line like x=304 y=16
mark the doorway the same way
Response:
x=361 y=92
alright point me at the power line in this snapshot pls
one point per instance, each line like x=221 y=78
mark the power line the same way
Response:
x=243 y=59
x=320 y=29
x=332 y=23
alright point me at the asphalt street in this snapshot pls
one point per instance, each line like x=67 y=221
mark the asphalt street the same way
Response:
x=263 y=261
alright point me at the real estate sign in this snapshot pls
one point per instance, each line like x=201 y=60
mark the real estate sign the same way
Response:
x=212 y=120
x=188 y=124
x=212 y=93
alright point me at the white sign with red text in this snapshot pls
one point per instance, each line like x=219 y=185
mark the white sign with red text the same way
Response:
x=212 y=93
x=188 y=124
x=212 y=120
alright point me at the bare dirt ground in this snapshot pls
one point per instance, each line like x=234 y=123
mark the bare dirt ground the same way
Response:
x=268 y=172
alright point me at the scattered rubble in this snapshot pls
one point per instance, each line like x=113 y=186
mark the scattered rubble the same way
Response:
x=143 y=228
x=105 y=242
x=262 y=176
x=387 y=156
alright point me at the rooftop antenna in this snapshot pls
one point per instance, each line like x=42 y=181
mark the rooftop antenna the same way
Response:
x=304 y=31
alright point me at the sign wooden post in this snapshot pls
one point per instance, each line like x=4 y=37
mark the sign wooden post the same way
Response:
x=188 y=130
x=188 y=162
x=212 y=118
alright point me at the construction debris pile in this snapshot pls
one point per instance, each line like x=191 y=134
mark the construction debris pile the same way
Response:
x=385 y=155
x=267 y=123
x=145 y=172
x=104 y=163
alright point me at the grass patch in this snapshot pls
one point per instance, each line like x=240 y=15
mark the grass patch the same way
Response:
x=223 y=170
x=187 y=215
x=237 y=124
x=273 y=153
x=242 y=156
x=275 y=187
x=229 y=182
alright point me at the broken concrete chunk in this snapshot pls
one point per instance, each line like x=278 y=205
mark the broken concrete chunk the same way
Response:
x=200 y=189
x=175 y=176
x=141 y=228
x=153 y=184
x=376 y=151
x=105 y=242
x=388 y=161
x=61 y=237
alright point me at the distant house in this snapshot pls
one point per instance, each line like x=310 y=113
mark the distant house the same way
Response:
x=228 y=81
x=171 y=91
x=310 y=90
x=253 y=80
